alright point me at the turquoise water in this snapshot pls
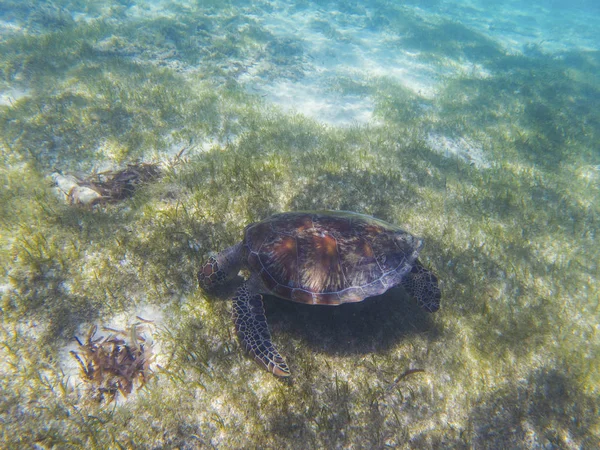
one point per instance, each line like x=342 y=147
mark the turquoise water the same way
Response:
x=140 y=137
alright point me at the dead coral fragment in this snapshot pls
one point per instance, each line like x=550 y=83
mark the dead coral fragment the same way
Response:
x=112 y=364
x=75 y=192
x=105 y=187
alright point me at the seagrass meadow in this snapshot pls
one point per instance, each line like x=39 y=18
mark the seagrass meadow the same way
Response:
x=499 y=172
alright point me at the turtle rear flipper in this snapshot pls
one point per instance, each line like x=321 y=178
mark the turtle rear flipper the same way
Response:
x=423 y=285
x=253 y=331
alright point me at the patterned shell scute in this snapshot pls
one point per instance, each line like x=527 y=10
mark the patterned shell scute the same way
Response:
x=329 y=257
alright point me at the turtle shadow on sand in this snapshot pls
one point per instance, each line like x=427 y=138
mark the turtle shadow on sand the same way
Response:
x=374 y=325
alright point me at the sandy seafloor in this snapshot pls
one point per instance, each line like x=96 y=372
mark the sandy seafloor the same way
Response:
x=473 y=124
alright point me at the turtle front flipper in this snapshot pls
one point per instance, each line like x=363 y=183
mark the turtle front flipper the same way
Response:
x=253 y=331
x=423 y=285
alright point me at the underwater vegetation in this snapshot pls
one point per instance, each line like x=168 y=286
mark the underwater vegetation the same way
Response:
x=114 y=364
x=509 y=361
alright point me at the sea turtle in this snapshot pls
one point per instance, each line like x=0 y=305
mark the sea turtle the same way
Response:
x=317 y=258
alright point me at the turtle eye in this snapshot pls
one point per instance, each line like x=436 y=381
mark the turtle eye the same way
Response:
x=404 y=239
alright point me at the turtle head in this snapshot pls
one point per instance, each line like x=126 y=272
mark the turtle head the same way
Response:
x=210 y=276
x=220 y=268
x=423 y=285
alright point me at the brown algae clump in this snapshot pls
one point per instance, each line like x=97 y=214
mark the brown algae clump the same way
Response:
x=105 y=187
x=114 y=363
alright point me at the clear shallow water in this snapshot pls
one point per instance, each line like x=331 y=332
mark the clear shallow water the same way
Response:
x=470 y=124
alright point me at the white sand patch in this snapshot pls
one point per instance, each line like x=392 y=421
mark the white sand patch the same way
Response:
x=310 y=99
x=12 y=95
x=461 y=147
x=351 y=52
x=336 y=44
x=520 y=26
x=8 y=26
x=151 y=9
